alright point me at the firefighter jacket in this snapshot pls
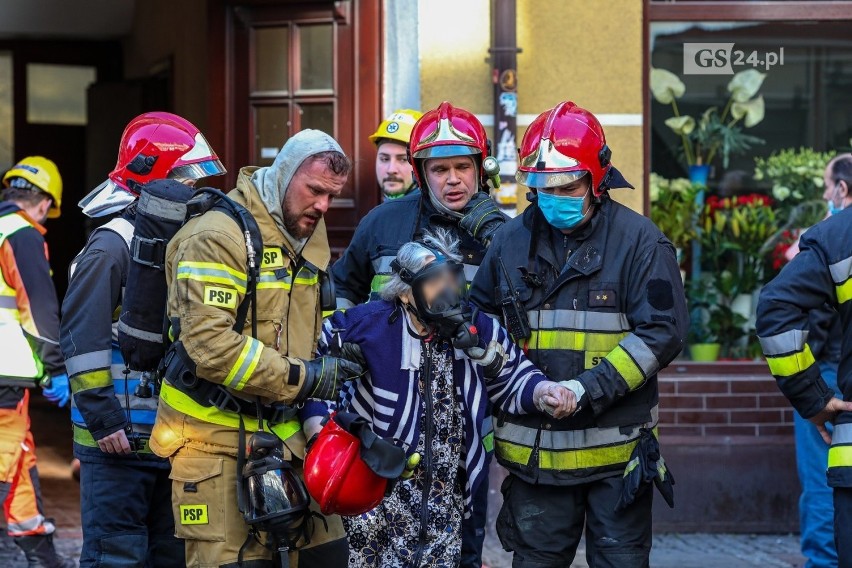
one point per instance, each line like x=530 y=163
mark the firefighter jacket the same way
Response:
x=365 y=265
x=607 y=310
x=103 y=389
x=29 y=311
x=206 y=271
x=820 y=274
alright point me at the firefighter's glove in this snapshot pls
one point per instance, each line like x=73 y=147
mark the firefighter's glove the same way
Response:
x=481 y=218
x=55 y=389
x=645 y=465
x=325 y=375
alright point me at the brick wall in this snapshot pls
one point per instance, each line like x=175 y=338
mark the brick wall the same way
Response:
x=731 y=400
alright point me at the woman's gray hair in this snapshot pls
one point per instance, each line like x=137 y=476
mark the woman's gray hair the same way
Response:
x=413 y=257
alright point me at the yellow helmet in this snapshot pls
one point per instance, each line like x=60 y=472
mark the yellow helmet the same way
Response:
x=397 y=126
x=41 y=173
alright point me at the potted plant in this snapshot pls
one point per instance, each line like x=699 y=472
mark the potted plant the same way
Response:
x=674 y=210
x=797 y=184
x=702 y=336
x=715 y=133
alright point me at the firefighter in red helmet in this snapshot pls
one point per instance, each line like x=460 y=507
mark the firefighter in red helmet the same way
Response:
x=125 y=490
x=449 y=150
x=602 y=311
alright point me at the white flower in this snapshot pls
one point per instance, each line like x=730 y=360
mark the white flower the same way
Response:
x=682 y=125
x=753 y=111
x=745 y=84
x=666 y=86
x=780 y=192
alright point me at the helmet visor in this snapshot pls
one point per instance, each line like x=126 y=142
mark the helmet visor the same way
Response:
x=198 y=170
x=275 y=495
x=542 y=179
x=447 y=151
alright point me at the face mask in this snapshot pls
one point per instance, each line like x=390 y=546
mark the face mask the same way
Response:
x=834 y=209
x=561 y=211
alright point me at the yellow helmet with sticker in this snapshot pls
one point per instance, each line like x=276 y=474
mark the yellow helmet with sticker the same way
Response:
x=39 y=173
x=397 y=126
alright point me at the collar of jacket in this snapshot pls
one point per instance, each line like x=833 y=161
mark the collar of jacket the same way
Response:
x=9 y=208
x=588 y=258
x=316 y=249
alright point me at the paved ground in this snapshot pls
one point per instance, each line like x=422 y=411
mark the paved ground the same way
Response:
x=62 y=499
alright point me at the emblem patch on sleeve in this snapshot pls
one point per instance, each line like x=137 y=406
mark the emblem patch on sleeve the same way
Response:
x=220 y=297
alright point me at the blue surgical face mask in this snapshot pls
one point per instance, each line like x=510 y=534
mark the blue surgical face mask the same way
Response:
x=833 y=208
x=561 y=211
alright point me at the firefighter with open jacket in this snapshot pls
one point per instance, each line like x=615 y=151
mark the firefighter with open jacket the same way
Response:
x=593 y=293
x=206 y=270
x=449 y=151
x=29 y=334
x=820 y=275
x=124 y=488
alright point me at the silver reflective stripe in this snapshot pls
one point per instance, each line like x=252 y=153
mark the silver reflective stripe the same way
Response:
x=842 y=434
x=382 y=265
x=8 y=302
x=122 y=227
x=470 y=271
x=783 y=343
x=88 y=362
x=30 y=525
x=162 y=208
x=641 y=354
x=139 y=333
x=570 y=439
x=841 y=271
x=577 y=319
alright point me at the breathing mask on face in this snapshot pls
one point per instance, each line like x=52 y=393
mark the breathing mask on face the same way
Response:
x=440 y=299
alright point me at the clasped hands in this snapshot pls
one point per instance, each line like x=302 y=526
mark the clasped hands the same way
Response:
x=554 y=399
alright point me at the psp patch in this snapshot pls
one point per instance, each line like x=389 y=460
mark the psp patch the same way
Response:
x=194 y=515
x=220 y=297
x=272 y=258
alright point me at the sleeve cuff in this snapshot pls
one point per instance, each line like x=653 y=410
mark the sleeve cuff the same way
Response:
x=527 y=400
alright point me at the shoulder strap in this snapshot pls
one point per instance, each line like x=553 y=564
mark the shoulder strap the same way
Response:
x=120 y=226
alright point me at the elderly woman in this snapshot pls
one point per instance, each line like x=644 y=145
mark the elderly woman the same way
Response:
x=434 y=364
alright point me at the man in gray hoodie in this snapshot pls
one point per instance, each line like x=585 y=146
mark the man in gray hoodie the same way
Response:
x=251 y=369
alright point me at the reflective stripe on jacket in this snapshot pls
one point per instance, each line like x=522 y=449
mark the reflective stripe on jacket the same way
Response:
x=206 y=270
x=821 y=274
x=611 y=316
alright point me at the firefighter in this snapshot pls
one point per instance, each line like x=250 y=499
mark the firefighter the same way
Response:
x=393 y=170
x=29 y=334
x=256 y=365
x=448 y=148
x=820 y=275
x=593 y=293
x=124 y=488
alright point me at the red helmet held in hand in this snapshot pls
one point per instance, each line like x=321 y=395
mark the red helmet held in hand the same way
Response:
x=155 y=145
x=336 y=474
x=444 y=132
x=562 y=145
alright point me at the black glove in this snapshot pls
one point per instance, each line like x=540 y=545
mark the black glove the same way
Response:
x=325 y=375
x=352 y=352
x=481 y=218
x=645 y=465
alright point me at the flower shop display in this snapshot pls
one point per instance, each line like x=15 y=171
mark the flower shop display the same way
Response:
x=797 y=182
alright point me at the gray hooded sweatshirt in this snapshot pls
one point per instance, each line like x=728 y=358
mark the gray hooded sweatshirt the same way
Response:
x=273 y=181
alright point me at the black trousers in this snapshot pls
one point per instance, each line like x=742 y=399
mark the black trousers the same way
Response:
x=473 y=529
x=842 y=522
x=543 y=524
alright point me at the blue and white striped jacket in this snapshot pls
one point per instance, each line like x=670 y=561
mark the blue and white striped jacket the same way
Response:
x=389 y=396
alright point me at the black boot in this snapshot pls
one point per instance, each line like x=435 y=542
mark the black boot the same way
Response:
x=41 y=553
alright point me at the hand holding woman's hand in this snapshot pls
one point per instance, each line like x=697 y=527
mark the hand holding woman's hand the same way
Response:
x=555 y=399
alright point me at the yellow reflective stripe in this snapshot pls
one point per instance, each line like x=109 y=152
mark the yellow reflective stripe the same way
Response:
x=245 y=365
x=212 y=272
x=840 y=456
x=85 y=438
x=574 y=340
x=626 y=367
x=182 y=403
x=488 y=442
x=570 y=459
x=844 y=292
x=788 y=365
x=90 y=380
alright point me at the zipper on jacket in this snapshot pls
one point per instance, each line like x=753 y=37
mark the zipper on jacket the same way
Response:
x=426 y=375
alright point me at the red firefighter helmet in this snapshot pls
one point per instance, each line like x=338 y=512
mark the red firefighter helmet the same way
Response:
x=155 y=145
x=447 y=131
x=562 y=145
x=336 y=476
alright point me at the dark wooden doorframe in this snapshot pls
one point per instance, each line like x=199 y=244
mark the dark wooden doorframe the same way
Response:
x=359 y=91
